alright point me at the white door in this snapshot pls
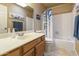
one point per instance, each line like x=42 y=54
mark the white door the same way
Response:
x=29 y=24
x=3 y=19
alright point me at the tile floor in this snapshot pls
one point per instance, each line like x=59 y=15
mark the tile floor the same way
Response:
x=60 y=48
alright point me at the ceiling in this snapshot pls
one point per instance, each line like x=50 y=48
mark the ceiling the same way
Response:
x=44 y=5
x=48 y=5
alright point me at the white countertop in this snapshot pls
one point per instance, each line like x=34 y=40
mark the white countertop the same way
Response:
x=8 y=44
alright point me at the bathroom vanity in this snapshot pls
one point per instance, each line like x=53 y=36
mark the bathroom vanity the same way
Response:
x=32 y=44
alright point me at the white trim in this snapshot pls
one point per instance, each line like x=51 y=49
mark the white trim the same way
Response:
x=72 y=41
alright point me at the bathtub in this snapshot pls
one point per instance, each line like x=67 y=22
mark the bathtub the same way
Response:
x=65 y=44
x=60 y=41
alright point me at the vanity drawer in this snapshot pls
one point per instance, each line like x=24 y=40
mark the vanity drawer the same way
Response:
x=38 y=40
x=30 y=53
x=28 y=46
x=43 y=37
x=15 y=52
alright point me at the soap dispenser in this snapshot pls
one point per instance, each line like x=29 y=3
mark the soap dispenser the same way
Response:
x=13 y=31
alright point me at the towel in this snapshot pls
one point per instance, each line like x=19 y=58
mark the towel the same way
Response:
x=76 y=27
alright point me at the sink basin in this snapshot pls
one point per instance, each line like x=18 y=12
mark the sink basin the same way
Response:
x=23 y=37
x=26 y=36
x=5 y=35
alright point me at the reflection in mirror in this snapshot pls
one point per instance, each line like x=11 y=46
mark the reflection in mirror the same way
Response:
x=3 y=19
x=29 y=18
x=15 y=17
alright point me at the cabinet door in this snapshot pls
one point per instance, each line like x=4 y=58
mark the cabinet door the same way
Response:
x=29 y=46
x=30 y=53
x=40 y=49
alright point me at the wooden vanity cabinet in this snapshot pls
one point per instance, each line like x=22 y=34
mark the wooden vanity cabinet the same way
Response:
x=16 y=52
x=33 y=48
x=40 y=49
x=30 y=53
x=28 y=46
x=43 y=38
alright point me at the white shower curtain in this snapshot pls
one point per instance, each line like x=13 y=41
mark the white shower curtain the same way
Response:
x=48 y=24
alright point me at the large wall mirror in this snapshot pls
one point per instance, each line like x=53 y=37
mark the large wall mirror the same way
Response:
x=13 y=16
x=29 y=18
x=3 y=19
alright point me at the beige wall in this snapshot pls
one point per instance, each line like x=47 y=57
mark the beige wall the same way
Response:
x=38 y=9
